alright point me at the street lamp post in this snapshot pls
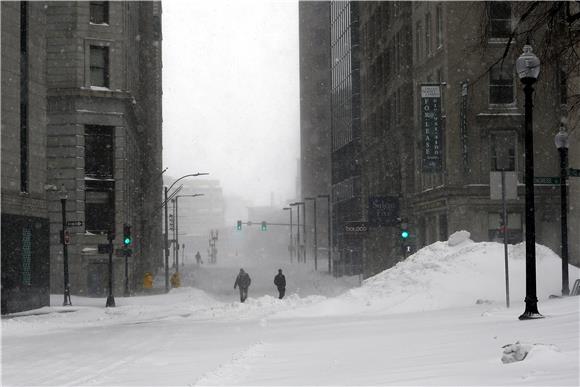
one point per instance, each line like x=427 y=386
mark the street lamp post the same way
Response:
x=290 y=246
x=110 y=298
x=528 y=69
x=298 y=204
x=561 y=141
x=63 y=197
x=313 y=199
x=176 y=226
x=329 y=232
x=165 y=202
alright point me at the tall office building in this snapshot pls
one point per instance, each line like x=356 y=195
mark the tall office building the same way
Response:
x=315 y=83
x=345 y=100
x=25 y=224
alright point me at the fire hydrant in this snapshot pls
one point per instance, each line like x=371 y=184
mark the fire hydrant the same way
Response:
x=175 y=280
x=148 y=281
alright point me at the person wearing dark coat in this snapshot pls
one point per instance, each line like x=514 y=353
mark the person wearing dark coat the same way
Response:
x=243 y=281
x=280 y=282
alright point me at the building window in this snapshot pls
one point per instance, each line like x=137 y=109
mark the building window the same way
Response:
x=99 y=66
x=27 y=256
x=428 y=39
x=500 y=19
x=99 y=206
x=418 y=40
x=99 y=152
x=439 y=26
x=99 y=12
x=501 y=84
x=503 y=151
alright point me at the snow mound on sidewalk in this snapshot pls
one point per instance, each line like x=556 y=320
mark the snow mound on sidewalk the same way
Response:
x=446 y=275
x=519 y=351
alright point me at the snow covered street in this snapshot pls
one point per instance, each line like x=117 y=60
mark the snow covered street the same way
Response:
x=402 y=327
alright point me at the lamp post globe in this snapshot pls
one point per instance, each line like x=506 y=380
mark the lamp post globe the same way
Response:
x=528 y=69
x=528 y=65
x=561 y=142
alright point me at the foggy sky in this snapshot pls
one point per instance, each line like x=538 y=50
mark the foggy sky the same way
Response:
x=231 y=94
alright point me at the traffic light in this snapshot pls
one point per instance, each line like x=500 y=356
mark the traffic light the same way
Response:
x=239 y=225
x=127 y=235
x=65 y=237
x=264 y=226
x=404 y=231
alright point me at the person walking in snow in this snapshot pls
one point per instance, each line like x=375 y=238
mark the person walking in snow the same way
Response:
x=198 y=258
x=243 y=281
x=280 y=282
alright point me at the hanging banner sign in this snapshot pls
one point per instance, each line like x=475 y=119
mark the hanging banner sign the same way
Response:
x=463 y=126
x=431 y=127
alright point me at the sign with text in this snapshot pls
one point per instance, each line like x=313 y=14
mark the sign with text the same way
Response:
x=383 y=211
x=555 y=180
x=431 y=127
x=573 y=172
x=356 y=227
x=463 y=127
x=74 y=223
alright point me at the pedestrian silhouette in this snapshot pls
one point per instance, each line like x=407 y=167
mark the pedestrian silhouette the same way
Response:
x=243 y=281
x=280 y=282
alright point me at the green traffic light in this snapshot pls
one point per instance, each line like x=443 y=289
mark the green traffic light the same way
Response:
x=404 y=234
x=127 y=241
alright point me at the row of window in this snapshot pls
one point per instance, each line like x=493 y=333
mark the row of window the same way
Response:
x=424 y=38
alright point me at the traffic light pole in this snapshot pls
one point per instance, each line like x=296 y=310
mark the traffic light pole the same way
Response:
x=65 y=256
x=110 y=298
x=176 y=248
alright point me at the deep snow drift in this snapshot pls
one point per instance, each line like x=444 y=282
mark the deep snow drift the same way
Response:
x=455 y=273
x=418 y=323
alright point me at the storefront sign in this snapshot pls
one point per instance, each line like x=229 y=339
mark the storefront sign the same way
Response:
x=356 y=227
x=383 y=211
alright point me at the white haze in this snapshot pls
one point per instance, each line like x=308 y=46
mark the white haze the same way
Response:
x=231 y=94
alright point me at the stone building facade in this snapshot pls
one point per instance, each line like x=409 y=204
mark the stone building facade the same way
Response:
x=104 y=137
x=440 y=64
x=25 y=224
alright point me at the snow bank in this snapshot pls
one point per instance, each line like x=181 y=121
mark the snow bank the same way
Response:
x=449 y=274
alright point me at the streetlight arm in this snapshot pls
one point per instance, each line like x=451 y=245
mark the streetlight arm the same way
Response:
x=183 y=177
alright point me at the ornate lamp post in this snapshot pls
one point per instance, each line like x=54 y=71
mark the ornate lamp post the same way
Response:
x=561 y=141
x=63 y=195
x=528 y=69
